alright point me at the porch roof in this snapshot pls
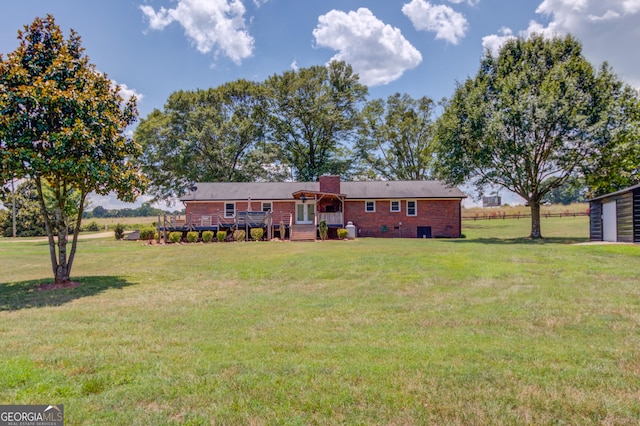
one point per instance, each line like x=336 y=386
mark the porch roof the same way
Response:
x=317 y=194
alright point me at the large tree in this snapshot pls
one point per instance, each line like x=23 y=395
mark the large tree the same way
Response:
x=214 y=135
x=62 y=125
x=313 y=113
x=535 y=115
x=396 y=137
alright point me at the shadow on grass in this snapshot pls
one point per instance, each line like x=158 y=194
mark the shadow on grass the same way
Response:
x=523 y=240
x=25 y=294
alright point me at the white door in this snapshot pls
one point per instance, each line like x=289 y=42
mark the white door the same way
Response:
x=609 y=222
x=305 y=213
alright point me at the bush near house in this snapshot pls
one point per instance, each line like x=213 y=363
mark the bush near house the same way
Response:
x=192 y=236
x=256 y=233
x=147 y=234
x=207 y=236
x=342 y=233
x=239 y=235
x=221 y=236
x=175 y=237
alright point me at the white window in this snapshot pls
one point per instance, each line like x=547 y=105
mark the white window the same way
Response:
x=412 y=208
x=229 y=209
x=395 y=206
x=370 y=206
x=266 y=207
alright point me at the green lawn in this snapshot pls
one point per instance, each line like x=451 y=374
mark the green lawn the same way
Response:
x=490 y=329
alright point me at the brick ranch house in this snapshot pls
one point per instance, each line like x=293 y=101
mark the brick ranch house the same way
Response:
x=390 y=209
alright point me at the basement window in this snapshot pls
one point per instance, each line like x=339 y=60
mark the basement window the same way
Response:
x=266 y=207
x=395 y=206
x=370 y=206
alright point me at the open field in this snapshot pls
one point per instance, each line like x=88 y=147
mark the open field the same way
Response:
x=554 y=210
x=127 y=222
x=491 y=329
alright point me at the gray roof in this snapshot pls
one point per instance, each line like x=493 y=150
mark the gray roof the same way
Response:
x=230 y=191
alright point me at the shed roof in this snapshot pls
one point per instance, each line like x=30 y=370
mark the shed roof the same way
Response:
x=613 y=194
x=229 y=191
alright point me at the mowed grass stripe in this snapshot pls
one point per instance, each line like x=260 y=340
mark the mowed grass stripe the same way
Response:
x=492 y=328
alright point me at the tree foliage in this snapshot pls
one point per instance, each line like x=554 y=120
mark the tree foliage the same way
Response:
x=29 y=220
x=214 y=135
x=313 y=113
x=396 y=137
x=62 y=124
x=534 y=116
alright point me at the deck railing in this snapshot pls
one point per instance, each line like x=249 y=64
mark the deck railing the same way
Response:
x=333 y=218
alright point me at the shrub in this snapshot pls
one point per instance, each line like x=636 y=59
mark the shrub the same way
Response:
x=92 y=226
x=221 y=236
x=207 y=236
x=239 y=235
x=175 y=236
x=324 y=230
x=256 y=233
x=192 y=236
x=119 y=231
x=147 y=234
x=342 y=233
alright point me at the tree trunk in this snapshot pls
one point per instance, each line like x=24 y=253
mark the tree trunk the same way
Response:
x=62 y=274
x=535 y=220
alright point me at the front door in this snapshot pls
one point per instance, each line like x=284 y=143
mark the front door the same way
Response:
x=305 y=213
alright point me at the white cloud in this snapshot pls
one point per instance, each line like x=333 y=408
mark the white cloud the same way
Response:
x=378 y=52
x=294 y=65
x=211 y=25
x=494 y=42
x=448 y=24
x=608 y=30
x=128 y=93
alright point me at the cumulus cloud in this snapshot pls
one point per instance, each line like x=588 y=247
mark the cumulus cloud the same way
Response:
x=378 y=52
x=448 y=24
x=494 y=42
x=128 y=93
x=211 y=25
x=608 y=30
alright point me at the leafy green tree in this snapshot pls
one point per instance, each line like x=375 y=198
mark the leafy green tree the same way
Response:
x=62 y=124
x=214 y=135
x=29 y=220
x=312 y=113
x=572 y=191
x=533 y=117
x=396 y=137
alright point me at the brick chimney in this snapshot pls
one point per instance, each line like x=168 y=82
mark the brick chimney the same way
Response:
x=330 y=184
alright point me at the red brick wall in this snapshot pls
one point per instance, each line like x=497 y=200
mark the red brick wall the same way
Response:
x=330 y=184
x=443 y=216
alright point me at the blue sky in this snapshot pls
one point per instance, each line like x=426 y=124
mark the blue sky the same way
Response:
x=155 y=47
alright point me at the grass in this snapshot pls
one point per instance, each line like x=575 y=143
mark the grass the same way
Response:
x=491 y=329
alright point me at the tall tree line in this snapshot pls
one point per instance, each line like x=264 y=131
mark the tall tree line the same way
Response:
x=298 y=125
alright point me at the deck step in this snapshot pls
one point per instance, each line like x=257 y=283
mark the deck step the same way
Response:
x=303 y=233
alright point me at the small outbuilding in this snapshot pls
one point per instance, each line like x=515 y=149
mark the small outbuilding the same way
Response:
x=615 y=217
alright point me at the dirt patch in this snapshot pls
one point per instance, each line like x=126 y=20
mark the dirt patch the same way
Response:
x=54 y=286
